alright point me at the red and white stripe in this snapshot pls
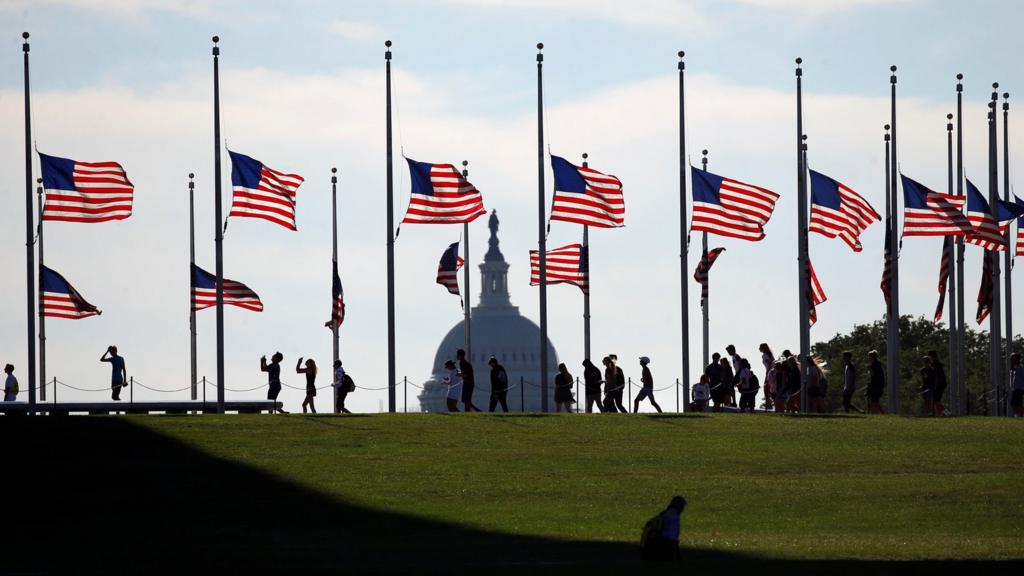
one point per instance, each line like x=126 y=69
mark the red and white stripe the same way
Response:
x=60 y=305
x=854 y=216
x=273 y=200
x=986 y=232
x=743 y=211
x=562 y=266
x=102 y=193
x=455 y=199
x=944 y=269
x=450 y=278
x=602 y=206
x=943 y=217
x=235 y=294
x=817 y=295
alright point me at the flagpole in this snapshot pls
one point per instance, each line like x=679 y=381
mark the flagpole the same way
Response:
x=952 y=280
x=42 y=317
x=391 y=236
x=586 y=293
x=890 y=215
x=803 y=276
x=467 y=298
x=995 y=324
x=30 y=267
x=1008 y=259
x=706 y=289
x=541 y=240
x=335 y=344
x=192 y=262
x=684 y=287
x=961 y=356
x=218 y=224
x=894 y=377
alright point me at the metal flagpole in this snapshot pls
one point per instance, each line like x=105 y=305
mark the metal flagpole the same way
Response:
x=586 y=293
x=391 y=237
x=803 y=277
x=30 y=267
x=684 y=237
x=952 y=280
x=961 y=356
x=894 y=377
x=335 y=344
x=467 y=298
x=1008 y=259
x=192 y=261
x=218 y=224
x=706 y=289
x=890 y=215
x=42 y=317
x=541 y=240
x=995 y=323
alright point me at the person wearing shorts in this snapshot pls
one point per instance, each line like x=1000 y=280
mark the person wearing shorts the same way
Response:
x=118 y=375
x=647 y=390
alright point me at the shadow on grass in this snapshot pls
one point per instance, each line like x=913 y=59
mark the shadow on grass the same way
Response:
x=104 y=495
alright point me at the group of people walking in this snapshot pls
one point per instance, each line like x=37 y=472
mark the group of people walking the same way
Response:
x=343 y=383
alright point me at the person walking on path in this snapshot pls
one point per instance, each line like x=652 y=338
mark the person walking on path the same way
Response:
x=647 y=390
x=735 y=361
x=748 y=387
x=939 y=387
x=468 y=381
x=454 y=381
x=849 y=383
x=620 y=384
x=927 y=388
x=273 y=371
x=343 y=383
x=10 y=384
x=499 y=385
x=700 y=393
x=592 y=386
x=610 y=385
x=660 y=537
x=1016 y=386
x=714 y=374
x=876 y=384
x=768 y=361
x=310 y=371
x=118 y=375
x=563 y=389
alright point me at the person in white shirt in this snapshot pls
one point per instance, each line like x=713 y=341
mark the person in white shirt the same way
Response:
x=700 y=394
x=454 y=382
x=341 y=386
x=10 y=384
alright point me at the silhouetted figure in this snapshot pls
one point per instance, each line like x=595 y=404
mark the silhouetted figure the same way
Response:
x=454 y=381
x=660 y=537
x=699 y=394
x=728 y=383
x=793 y=380
x=310 y=371
x=118 y=375
x=499 y=385
x=468 y=381
x=10 y=384
x=714 y=373
x=1016 y=386
x=768 y=361
x=781 y=374
x=647 y=388
x=749 y=386
x=563 y=389
x=610 y=385
x=927 y=388
x=620 y=384
x=849 y=383
x=939 y=388
x=592 y=386
x=344 y=384
x=273 y=371
x=876 y=384
x=817 y=387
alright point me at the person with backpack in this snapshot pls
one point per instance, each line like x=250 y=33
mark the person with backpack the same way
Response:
x=119 y=375
x=647 y=390
x=876 y=384
x=344 y=384
x=699 y=394
x=563 y=389
x=454 y=381
x=748 y=387
x=659 y=540
x=940 y=383
x=592 y=386
x=273 y=371
x=310 y=371
x=499 y=385
x=10 y=384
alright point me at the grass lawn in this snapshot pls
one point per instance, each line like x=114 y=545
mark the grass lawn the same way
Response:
x=516 y=493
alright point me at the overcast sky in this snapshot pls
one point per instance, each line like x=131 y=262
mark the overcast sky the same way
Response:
x=303 y=90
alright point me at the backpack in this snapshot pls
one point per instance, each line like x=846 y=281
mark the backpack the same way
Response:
x=350 y=384
x=652 y=530
x=753 y=385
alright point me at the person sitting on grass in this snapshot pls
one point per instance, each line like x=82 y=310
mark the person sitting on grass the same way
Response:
x=454 y=382
x=660 y=537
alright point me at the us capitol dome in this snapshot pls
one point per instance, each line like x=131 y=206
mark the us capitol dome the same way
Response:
x=499 y=330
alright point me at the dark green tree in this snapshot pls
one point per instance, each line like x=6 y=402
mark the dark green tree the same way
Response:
x=919 y=335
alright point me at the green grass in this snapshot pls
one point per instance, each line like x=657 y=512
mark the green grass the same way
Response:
x=759 y=487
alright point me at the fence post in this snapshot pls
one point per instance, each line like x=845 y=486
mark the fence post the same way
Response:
x=55 y=390
x=522 y=396
x=677 y=395
x=131 y=391
x=405 y=386
x=629 y=398
x=204 y=393
x=577 y=395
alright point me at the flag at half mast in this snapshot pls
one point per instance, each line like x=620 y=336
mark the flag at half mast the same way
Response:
x=729 y=207
x=87 y=192
x=945 y=265
x=989 y=231
x=568 y=264
x=337 y=301
x=817 y=295
x=204 y=292
x=262 y=192
x=441 y=195
x=585 y=196
x=701 y=274
x=1020 y=224
x=59 y=299
x=448 y=269
x=930 y=213
x=838 y=211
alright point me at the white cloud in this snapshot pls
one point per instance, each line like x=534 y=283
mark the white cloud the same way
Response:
x=661 y=13
x=354 y=30
x=126 y=8
x=821 y=7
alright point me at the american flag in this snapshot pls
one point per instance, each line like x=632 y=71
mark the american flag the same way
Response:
x=985 y=231
x=441 y=195
x=204 y=292
x=930 y=213
x=985 y=292
x=730 y=208
x=262 y=192
x=58 y=299
x=817 y=295
x=85 y=191
x=1020 y=224
x=448 y=269
x=568 y=264
x=703 y=269
x=944 y=267
x=585 y=196
x=338 y=301
x=886 y=285
x=836 y=210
